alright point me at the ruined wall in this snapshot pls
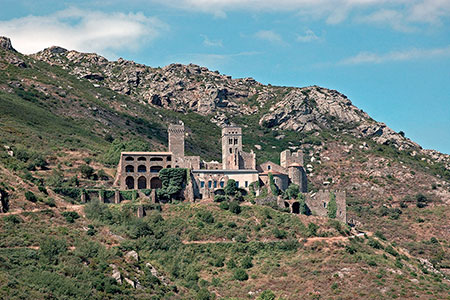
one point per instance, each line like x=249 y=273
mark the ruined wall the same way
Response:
x=297 y=175
x=318 y=204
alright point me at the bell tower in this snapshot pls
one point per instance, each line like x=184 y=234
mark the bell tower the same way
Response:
x=231 y=144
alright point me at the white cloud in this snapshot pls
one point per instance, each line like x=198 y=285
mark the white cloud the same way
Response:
x=332 y=11
x=211 y=43
x=87 y=31
x=270 y=36
x=406 y=55
x=308 y=36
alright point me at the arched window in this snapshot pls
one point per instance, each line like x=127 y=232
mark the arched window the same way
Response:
x=129 y=182
x=169 y=166
x=155 y=183
x=156 y=159
x=269 y=167
x=231 y=151
x=142 y=183
x=155 y=169
x=142 y=169
x=169 y=158
x=129 y=158
x=129 y=169
x=176 y=167
x=141 y=158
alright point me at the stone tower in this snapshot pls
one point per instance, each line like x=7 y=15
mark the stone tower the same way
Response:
x=231 y=144
x=293 y=162
x=176 y=139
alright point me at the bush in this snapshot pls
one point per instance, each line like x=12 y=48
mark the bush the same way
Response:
x=240 y=274
x=30 y=196
x=220 y=198
x=51 y=248
x=70 y=216
x=279 y=234
x=247 y=262
x=224 y=205
x=332 y=206
x=291 y=192
x=312 y=228
x=102 y=175
x=273 y=187
x=266 y=295
x=204 y=294
x=205 y=216
x=389 y=249
x=86 y=171
x=421 y=201
x=235 y=208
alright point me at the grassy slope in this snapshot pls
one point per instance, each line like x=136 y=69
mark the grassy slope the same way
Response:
x=76 y=116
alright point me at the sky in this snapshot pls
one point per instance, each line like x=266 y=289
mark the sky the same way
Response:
x=390 y=57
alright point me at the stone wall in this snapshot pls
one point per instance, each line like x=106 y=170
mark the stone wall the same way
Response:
x=318 y=203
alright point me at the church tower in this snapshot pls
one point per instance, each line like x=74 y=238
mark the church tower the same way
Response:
x=176 y=139
x=231 y=145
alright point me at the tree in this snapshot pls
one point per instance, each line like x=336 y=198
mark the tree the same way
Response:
x=332 y=206
x=231 y=188
x=173 y=182
x=273 y=187
x=291 y=192
x=86 y=171
x=234 y=207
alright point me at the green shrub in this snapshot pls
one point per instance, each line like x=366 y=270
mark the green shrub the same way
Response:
x=279 y=234
x=204 y=294
x=240 y=274
x=389 y=249
x=291 y=192
x=220 y=198
x=332 y=206
x=30 y=196
x=266 y=295
x=51 y=248
x=86 y=171
x=234 y=207
x=421 y=201
x=70 y=216
x=312 y=229
x=205 y=216
x=273 y=187
x=50 y=202
x=224 y=205
x=102 y=175
x=375 y=244
x=246 y=262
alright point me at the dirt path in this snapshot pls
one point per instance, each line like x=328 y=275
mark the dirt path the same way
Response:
x=76 y=207
x=307 y=241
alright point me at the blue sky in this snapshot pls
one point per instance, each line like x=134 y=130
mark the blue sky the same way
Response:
x=390 y=57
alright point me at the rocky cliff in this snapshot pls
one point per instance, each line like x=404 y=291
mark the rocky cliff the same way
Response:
x=185 y=88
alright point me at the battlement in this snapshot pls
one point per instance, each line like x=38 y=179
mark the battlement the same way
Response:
x=176 y=139
x=288 y=159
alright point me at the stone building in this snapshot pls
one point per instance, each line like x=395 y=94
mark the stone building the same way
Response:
x=140 y=170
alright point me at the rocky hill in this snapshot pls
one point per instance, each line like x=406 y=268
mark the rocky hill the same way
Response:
x=65 y=117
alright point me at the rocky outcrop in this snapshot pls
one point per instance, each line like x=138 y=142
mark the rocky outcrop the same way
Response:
x=5 y=43
x=191 y=88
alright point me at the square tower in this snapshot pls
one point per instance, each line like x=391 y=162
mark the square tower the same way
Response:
x=176 y=139
x=231 y=144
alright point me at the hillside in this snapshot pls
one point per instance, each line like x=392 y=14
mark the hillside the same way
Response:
x=63 y=112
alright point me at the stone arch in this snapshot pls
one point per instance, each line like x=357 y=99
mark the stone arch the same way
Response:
x=296 y=207
x=286 y=204
x=129 y=169
x=142 y=169
x=129 y=182
x=129 y=158
x=155 y=169
x=156 y=159
x=155 y=183
x=142 y=183
x=169 y=166
x=142 y=158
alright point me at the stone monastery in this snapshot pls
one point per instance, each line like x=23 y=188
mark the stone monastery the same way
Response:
x=140 y=170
